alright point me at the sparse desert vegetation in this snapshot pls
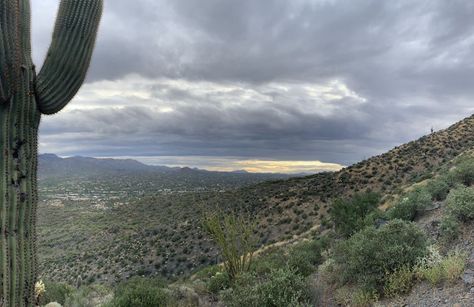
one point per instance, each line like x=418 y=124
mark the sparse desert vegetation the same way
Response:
x=368 y=245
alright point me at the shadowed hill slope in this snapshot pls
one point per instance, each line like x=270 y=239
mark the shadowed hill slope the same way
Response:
x=305 y=201
x=383 y=173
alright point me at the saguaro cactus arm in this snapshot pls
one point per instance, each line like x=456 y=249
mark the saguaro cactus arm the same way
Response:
x=69 y=55
x=10 y=51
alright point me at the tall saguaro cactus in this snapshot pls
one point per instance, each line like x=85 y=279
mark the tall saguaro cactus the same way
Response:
x=24 y=97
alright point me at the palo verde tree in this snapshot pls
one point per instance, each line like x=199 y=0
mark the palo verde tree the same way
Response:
x=24 y=97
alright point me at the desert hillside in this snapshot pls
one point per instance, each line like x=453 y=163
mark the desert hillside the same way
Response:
x=161 y=235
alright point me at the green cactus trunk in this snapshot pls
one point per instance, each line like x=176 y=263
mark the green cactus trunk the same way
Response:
x=20 y=120
x=23 y=98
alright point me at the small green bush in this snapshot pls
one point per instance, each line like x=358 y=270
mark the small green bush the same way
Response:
x=349 y=215
x=432 y=258
x=399 y=282
x=281 y=287
x=89 y=296
x=463 y=172
x=206 y=273
x=447 y=269
x=434 y=274
x=421 y=197
x=449 y=228
x=370 y=254
x=328 y=272
x=263 y=264
x=364 y=298
x=140 y=291
x=407 y=207
x=371 y=218
x=357 y=297
x=55 y=292
x=343 y=296
x=306 y=256
x=438 y=189
x=220 y=281
x=325 y=222
x=403 y=210
x=460 y=203
x=454 y=265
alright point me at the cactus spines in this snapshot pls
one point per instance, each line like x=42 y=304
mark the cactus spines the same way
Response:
x=24 y=97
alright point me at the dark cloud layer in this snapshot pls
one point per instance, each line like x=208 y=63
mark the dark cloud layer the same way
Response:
x=301 y=80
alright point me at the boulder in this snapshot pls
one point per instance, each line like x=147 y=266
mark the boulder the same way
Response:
x=468 y=276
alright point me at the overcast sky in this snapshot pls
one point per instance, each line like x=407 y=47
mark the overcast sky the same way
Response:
x=271 y=85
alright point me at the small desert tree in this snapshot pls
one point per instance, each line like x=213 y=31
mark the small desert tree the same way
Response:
x=235 y=237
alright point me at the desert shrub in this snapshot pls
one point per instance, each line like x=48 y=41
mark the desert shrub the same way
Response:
x=265 y=263
x=431 y=258
x=281 y=287
x=303 y=257
x=364 y=298
x=373 y=217
x=460 y=203
x=185 y=296
x=325 y=222
x=206 y=273
x=463 y=172
x=454 y=265
x=343 y=296
x=406 y=208
x=438 y=189
x=349 y=215
x=306 y=256
x=328 y=272
x=449 y=228
x=434 y=274
x=220 y=281
x=55 y=292
x=399 y=282
x=88 y=296
x=447 y=269
x=139 y=291
x=370 y=254
x=357 y=297
x=235 y=237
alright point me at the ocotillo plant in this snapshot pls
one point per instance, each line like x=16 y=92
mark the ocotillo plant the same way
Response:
x=24 y=97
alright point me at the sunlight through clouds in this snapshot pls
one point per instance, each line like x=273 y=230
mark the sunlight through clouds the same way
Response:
x=262 y=166
x=304 y=80
x=231 y=164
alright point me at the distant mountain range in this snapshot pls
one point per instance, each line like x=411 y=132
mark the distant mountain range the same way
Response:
x=52 y=166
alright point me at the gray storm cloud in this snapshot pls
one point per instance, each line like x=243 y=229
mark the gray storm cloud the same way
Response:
x=334 y=81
